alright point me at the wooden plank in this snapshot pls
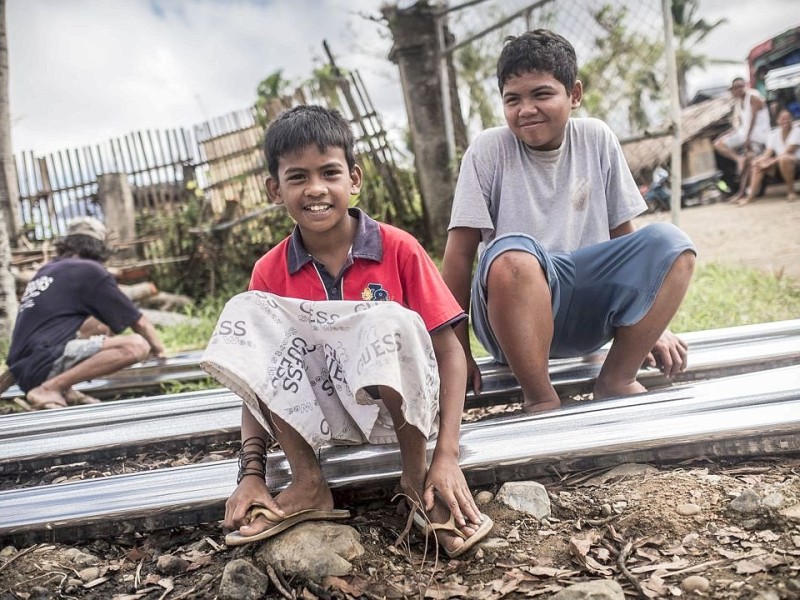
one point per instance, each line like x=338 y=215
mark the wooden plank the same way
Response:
x=164 y=172
x=46 y=190
x=80 y=195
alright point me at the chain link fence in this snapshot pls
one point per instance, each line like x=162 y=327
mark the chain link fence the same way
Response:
x=620 y=46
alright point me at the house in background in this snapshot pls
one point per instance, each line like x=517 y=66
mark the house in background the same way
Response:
x=700 y=124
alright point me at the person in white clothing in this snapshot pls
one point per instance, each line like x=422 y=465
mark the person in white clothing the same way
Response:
x=749 y=136
x=783 y=152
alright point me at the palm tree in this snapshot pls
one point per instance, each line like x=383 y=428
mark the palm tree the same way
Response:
x=689 y=31
x=8 y=192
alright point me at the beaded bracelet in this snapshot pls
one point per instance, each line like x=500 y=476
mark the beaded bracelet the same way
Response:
x=249 y=456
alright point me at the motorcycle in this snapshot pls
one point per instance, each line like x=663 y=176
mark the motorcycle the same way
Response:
x=706 y=188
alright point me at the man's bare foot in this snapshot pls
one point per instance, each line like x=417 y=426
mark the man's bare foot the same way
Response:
x=74 y=397
x=293 y=499
x=604 y=390
x=41 y=398
x=791 y=197
x=537 y=407
x=744 y=201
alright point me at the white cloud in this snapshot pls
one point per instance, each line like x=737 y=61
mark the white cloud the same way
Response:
x=84 y=71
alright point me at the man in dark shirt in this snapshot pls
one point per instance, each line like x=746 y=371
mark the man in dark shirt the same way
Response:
x=67 y=314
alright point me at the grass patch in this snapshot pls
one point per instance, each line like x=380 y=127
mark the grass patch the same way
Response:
x=727 y=296
x=194 y=334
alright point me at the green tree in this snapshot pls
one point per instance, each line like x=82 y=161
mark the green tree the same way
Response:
x=689 y=31
x=272 y=95
x=625 y=59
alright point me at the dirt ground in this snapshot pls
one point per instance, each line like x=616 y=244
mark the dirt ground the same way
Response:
x=763 y=235
x=653 y=530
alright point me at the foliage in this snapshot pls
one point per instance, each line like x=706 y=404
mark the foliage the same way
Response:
x=220 y=256
x=271 y=91
x=195 y=332
x=475 y=71
x=689 y=32
x=626 y=58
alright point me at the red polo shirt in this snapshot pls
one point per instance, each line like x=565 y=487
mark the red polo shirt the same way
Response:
x=385 y=263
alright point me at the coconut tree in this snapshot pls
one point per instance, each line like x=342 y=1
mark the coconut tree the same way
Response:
x=690 y=30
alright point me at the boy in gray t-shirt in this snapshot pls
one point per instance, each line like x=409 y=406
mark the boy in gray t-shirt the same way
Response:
x=549 y=200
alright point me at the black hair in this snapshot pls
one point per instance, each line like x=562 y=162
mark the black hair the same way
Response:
x=304 y=125
x=83 y=246
x=540 y=51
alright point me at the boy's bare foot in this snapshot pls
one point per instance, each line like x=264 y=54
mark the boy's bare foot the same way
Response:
x=41 y=398
x=744 y=201
x=609 y=390
x=294 y=498
x=791 y=197
x=74 y=397
x=529 y=406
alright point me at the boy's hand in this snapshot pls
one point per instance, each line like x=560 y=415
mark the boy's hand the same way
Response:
x=669 y=354
x=446 y=481
x=474 y=375
x=252 y=491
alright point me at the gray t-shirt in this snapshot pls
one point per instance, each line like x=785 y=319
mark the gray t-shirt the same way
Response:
x=567 y=198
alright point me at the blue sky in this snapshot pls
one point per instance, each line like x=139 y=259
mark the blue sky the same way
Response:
x=83 y=71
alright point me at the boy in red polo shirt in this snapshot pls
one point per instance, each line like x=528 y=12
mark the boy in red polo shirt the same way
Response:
x=345 y=337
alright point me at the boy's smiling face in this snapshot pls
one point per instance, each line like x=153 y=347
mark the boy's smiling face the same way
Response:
x=537 y=107
x=316 y=188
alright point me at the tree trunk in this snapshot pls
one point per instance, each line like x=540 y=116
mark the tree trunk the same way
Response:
x=9 y=193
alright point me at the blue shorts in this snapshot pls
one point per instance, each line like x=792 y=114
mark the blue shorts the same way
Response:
x=593 y=290
x=76 y=351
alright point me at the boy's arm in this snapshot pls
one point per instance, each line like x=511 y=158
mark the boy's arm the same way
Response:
x=459 y=255
x=445 y=476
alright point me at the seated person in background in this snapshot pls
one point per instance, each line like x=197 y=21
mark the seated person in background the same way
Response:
x=345 y=337
x=548 y=200
x=749 y=135
x=66 y=315
x=783 y=151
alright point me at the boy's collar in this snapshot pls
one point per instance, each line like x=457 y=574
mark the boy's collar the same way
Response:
x=367 y=243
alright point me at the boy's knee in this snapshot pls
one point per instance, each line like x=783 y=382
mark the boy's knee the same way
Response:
x=685 y=263
x=667 y=238
x=513 y=269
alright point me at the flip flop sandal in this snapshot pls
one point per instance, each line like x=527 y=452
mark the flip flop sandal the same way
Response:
x=281 y=523
x=428 y=528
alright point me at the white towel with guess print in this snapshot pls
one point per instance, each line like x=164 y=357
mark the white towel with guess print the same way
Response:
x=311 y=362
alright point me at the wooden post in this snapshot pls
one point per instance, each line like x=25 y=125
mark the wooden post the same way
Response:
x=416 y=51
x=115 y=196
